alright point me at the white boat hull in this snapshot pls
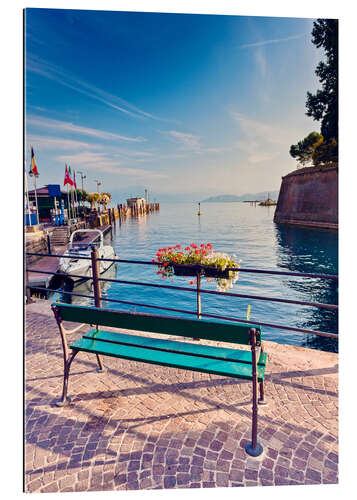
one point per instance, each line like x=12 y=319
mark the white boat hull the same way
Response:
x=82 y=268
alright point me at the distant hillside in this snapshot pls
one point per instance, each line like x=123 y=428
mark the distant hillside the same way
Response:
x=227 y=198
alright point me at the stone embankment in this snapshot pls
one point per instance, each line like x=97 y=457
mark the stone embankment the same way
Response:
x=140 y=426
x=309 y=197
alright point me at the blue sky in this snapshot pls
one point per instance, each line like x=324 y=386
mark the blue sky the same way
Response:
x=184 y=105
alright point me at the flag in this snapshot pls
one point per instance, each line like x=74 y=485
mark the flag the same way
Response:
x=67 y=179
x=33 y=167
x=70 y=176
x=74 y=180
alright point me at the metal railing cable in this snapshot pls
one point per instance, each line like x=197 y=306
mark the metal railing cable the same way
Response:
x=183 y=311
x=194 y=266
x=95 y=278
x=212 y=292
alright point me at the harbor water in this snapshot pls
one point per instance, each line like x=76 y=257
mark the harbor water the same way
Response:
x=234 y=228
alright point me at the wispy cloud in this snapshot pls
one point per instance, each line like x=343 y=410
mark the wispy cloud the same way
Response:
x=187 y=141
x=191 y=143
x=262 y=142
x=62 y=126
x=58 y=143
x=275 y=40
x=53 y=72
x=261 y=62
x=95 y=160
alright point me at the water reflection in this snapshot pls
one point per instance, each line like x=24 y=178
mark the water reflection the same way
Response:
x=308 y=250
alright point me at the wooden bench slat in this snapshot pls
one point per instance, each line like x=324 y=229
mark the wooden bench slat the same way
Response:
x=195 y=349
x=142 y=354
x=236 y=333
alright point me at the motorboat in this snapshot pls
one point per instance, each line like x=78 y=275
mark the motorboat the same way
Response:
x=85 y=289
x=80 y=245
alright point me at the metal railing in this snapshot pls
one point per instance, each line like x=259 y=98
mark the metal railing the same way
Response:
x=197 y=271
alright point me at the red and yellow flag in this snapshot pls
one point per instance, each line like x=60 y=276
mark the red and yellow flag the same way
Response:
x=33 y=167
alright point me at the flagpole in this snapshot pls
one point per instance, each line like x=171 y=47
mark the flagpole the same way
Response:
x=27 y=196
x=34 y=172
x=34 y=181
x=68 y=206
x=73 y=203
x=75 y=191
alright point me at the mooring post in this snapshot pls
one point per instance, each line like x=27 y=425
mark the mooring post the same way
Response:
x=48 y=243
x=97 y=293
x=27 y=288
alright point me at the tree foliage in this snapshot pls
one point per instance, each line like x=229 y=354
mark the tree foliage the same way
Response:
x=323 y=105
x=93 y=198
x=303 y=151
x=82 y=195
x=322 y=149
x=105 y=199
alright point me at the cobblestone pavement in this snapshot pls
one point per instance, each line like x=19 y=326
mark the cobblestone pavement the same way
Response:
x=140 y=426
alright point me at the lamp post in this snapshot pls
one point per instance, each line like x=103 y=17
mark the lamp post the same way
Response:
x=82 y=178
x=98 y=184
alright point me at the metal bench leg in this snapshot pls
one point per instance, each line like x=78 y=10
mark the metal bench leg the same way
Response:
x=101 y=368
x=64 y=401
x=262 y=400
x=254 y=448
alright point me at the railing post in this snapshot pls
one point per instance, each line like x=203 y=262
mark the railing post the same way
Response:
x=95 y=275
x=97 y=293
x=199 y=293
x=254 y=448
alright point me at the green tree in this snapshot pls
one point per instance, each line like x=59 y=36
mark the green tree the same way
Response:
x=82 y=195
x=303 y=151
x=105 y=199
x=93 y=198
x=323 y=105
x=326 y=154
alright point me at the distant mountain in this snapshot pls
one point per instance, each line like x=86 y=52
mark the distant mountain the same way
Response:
x=228 y=198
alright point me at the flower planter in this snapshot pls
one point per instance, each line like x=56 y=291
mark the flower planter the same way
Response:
x=213 y=272
x=184 y=271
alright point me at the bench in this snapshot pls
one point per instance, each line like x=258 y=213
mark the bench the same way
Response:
x=224 y=361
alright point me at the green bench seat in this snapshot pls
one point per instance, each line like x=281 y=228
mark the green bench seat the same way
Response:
x=224 y=361
x=196 y=357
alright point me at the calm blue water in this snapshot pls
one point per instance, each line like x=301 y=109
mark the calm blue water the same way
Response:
x=250 y=233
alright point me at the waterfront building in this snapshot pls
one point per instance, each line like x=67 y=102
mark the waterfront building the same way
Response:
x=49 y=197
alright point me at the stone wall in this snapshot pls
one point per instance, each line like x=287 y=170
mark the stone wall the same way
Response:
x=309 y=197
x=37 y=243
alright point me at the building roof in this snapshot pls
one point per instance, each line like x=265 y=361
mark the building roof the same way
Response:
x=47 y=190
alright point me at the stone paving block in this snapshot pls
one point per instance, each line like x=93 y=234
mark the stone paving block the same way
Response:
x=138 y=426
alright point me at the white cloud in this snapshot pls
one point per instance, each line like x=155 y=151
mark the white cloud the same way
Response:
x=58 y=125
x=36 y=65
x=268 y=42
x=55 y=143
x=103 y=163
x=263 y=143
x=261 y=62
x=263 y=132
x=187 y=141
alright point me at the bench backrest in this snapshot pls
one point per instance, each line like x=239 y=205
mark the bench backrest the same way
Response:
x=237 y=333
